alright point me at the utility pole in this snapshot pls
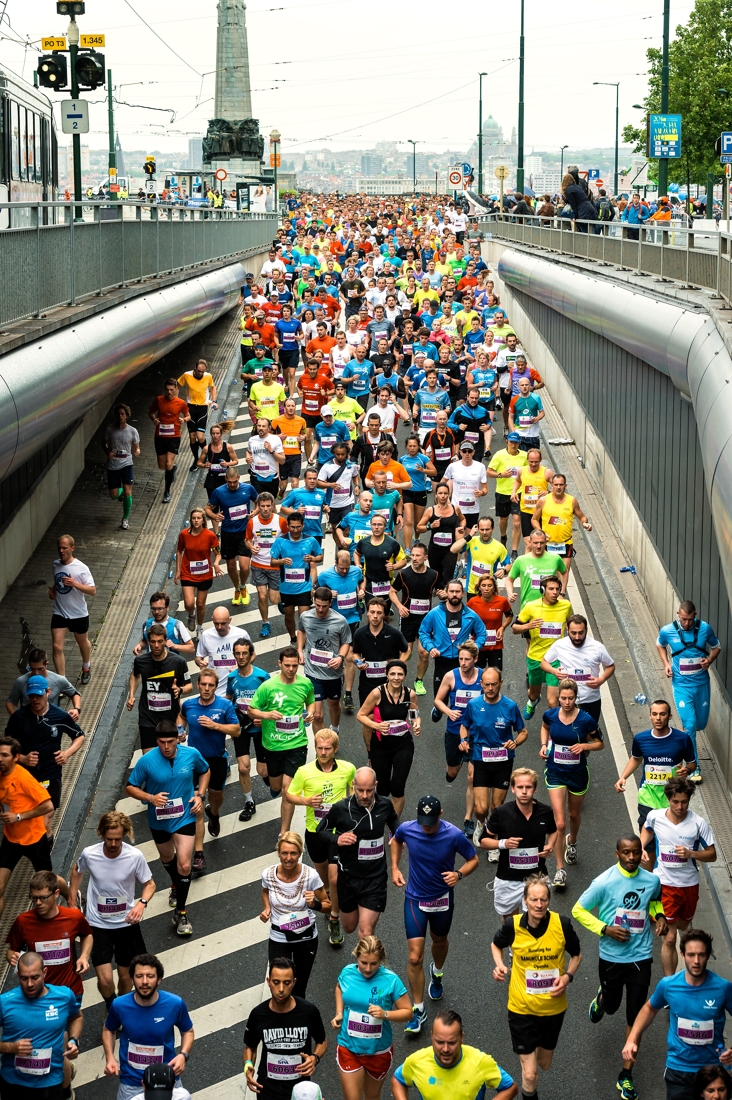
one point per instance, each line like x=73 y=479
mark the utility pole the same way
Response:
x=520 y=159
x=480 y=133
x=616 y=86
x=663 y=162
x=73 y=37
x=414 y=163
x=113 y=195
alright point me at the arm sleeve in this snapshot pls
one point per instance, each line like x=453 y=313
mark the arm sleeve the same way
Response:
x=581 y=913
x=571 y=939
x=506 y=934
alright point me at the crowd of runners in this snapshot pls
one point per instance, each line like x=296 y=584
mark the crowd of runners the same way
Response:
x=387 y=390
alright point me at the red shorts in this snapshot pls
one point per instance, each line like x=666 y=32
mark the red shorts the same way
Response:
x=376 y=1065
x=679 y=902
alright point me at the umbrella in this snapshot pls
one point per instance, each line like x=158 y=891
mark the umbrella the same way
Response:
x=529 y=192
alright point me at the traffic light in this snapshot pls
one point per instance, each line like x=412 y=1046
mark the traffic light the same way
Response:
x=70 y=7
x=52 y=71
x=149 y=167
x=90 y=69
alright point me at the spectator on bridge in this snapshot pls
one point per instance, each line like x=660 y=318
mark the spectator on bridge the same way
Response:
x=578 y=198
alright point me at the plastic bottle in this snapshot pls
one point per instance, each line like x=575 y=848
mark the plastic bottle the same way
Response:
x=640 y=698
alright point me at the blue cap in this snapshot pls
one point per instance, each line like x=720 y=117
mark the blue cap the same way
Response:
x=37 y=685
x=514 y=437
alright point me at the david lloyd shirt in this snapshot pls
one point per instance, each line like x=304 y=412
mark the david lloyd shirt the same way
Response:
x=284 y=1038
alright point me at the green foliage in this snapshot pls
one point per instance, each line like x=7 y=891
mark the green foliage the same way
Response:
x=700 y=63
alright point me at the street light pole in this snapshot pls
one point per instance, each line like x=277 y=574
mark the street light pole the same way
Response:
x=561 y=168
x=274 y=140
x=480 y=133
x=414 y=163
x=520 y=157
x=616 y=86
x=663 y=162
x=113 y=195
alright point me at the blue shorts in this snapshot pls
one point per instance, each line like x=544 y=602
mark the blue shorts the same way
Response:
x=416 y=920
x=117 y=478
x=575 y=780
x=692 y=703
x=327 y=689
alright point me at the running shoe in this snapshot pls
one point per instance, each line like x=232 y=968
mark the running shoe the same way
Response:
x=514 y=555
x=199 y=863
x=570 y=852
x=244 y=597
x=415 y=1025
x=596 y=1010
x=435 y=989
x=335 y=933
x=173 y=897
x=625 y=1087
x=419 y=688
x=435 y=716
x=125 y=525
x=265 y=630
x=469 y=828
x=183 y=925
x=493 y=855
x=85 y=675
x=191 y=622
x=529 y=709
x=250 y=808
x=348 y=703
x=193 y=466
x=696 y=777
x=214 y=821
x=477 y=833
x=560 y=879
x=236 y=598
x=166 y=498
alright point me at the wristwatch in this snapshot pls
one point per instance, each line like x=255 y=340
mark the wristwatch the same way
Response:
x=185 y=1055
x=570 y=976
x=460 y=875
x=74 y=1040
x=143 y=901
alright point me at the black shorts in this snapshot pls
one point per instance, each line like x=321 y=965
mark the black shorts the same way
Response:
x=366 y=685
x=76 y=626
x=410 y=626
x=261 y=486
x=201 y=586
x=410 y=496
x=219 y=770
x=289 y=358
x=233 y=545
x=242 y=743
x=633 y=978
x=496 y=775
x=53 y=786
x=285 y=761
x=526 y=525
x=169 y=445
x=120 y=944
x=491 y=658
x=311 y=421
x=505 y=506
x=39 y=854
x=530 y=1032
x=391 y=759
x=162 y=836
x=530 y=443
x=199 y=416
x=366 y=892
x=320 y=846
x=337 y=514
x=117 y=478
x=593 y=708
x=291 y=467
x=297 y=599
x=327 y=689
x=363 y=400
x=453 y=757
x=679 y=1086
x=471 y=519
x=27 y=1092
x=489 y=406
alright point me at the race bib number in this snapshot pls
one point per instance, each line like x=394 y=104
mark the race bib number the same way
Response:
x=540 y=981
x=697 y=1033
x=288 y=724
x=321 y=656
x=442 y=538
x=283 y=1067
x=311 y=405
x=429 y=416
x=224 y=662
x=419 y=607
x=557 y=548
x=536 y=583
x=243 y=699
x=166 y=430
x=658 y=775
x=550 y=630
x=198 y=568
x=35 y=1064
x=298 y=922
x=466 y=502
x=531 y=497
x=292 y=442
x=439 y=905
x=371 y=849
x=312 y=511
x=471 y=437
x=294 y=575
x=525 y=420
x=523 y=859
x=491 y=637
x=493 y=756
x=342 y=490
x=375 y=669
x=346 y=601
x=463 y=697
x=443 y=454
x=380 y=588
x=322 y=811
x=158 y=700
x=261 y=467
x=142 y=1056
x=172 y=809
x=480 y=568
x=238 y=512
x=109 y=906
x=632 y=919
x=579 y=675
x=397 y=729
x=563 y=755
x=668 y=857
x=689 y=665
x=54 y=952
x=363 y=1026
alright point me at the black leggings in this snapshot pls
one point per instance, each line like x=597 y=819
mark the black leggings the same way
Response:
x=633 y=978
x=444 y=562
x=302 y=954
x=391 y=759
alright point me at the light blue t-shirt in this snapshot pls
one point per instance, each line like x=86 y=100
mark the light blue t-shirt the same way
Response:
x=429 y=404
x=327 y=436
x=44 y=1021
x=208 y=742
x=697 y=1015
x=489 y=725
x=295 y=578
x=312 y=500
x=383 y=504
x=346 y=601
x=240 y=691
x=616 y=894
x=687 y=647
x=414 y=465
x=358 y=376
x=357 y=525
x=360 y=1032
x=154 y=774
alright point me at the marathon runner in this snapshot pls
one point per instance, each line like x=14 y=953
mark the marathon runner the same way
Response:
x=429 y=897
x=215 y=459
x=121 y=443
x=531 y=568
x=323 y=644
x=291 y=429
x=504 y=467
x=266 y=396
x=241 y=685
x=664 y=752
x=494 y=611
x=375 y=644
x=389 y=716
x=443 y=521
x=486 y=556
x=583 y=660
x=456 y=690
x=262 y=529
x=197 y=562
x=57 y=686
x=229 y=505
x=380 y=556
x=416 y=584
x=467 y=481
x=72 y=582
x=265 y=455
x=201 y=397
x=532 y=481
x=339 y=477
x=444 y=629
x=215 y=648
x=167 y=413
x=440 y=445
x=544 y=621
x=553 y=515
x=525 y=412
x=297 y=556
x=164 y=677
x=309 y=503
x=178 y=640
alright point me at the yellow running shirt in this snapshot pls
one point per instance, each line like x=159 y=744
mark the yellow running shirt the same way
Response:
x=509 y=466
x=552 y=628
x=532 y=485
x=537 y=961
x=556 y=523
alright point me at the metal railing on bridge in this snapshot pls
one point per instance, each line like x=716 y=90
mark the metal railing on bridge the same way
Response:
x=665 y=250
x=57 y=261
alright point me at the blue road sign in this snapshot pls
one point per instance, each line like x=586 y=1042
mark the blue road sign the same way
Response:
x=593 y=173
x=726 y=158
x=468 y=169
x=664 y=137
x=726 y=144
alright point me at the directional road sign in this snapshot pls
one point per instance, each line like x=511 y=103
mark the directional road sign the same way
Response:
x=75 y=116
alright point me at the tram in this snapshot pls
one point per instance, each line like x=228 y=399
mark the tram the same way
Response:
x=28 y=149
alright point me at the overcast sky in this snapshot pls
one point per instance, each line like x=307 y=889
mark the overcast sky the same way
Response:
x=345 y=74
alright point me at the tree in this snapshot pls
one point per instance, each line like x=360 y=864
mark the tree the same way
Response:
x=700 y=75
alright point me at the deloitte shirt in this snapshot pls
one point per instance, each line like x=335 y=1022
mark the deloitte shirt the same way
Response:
x=287 y=732
x=697 y=1015
x=509 y=467
x=309 y=502
x=580 y=663
x=111 y=889
x=295 y=577
x=240 y=690
x=220 y=651
x=44 y=1019
x=687 y=647
x=623 y=899
x=334 y=785
x=467 y=1080
x=154 y=774
x=430 y=854
x=554 y=618
x=323 y=640
x=489 y=725
x=360 y=1032
x=69 y=602
x=158 y=678
x=483 y=559
x=661 y=758
x=210 y=743
x=284 y=1037
x=530 y=570
x=693 y=833
x=148 y=1031
x=234 y=505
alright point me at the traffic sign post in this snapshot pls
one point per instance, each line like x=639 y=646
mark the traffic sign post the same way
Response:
x=75 y=116
x=455 y=177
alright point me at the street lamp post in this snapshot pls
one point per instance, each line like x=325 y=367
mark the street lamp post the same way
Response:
x=480 y=133
x=520 y=156
x=414 y=163
x=561 y=163
x=610 y=84
x=274 y=140
x=663 y=163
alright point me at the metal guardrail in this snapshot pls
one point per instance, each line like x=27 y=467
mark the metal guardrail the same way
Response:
x=665 y=250
x=44 y=266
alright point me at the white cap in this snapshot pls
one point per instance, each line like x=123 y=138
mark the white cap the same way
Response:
x=326 y=411
x=306 y=1090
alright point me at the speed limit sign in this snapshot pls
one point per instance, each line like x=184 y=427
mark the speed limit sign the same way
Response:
x=455 y=176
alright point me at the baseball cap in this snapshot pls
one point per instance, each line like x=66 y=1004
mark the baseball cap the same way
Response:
x=513 y=437
x=326 y=411
x=159 y=1080
x=468 y=446
x=429 y=809
x=249 y=275
x=37 y=685
x=306 y=1090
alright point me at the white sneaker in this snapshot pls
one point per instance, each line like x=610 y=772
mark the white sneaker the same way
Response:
x=125 y=524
